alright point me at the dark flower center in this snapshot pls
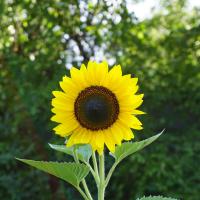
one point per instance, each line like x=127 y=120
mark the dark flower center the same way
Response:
x=96 y=108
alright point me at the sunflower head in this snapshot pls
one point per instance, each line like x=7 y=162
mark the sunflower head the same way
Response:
x=97 y=106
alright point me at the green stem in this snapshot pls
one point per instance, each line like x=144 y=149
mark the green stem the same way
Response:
x=82 y=193
x=83 y=181
x=86 y=189
x=76 y=156
x=95 y=165
x=96 y=178
x=101 y=187
x=110 y=173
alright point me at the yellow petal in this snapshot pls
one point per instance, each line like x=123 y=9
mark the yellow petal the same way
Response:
x=116 y=134
x=83 y=68
x=62 y=105
x=63 y=130
x=138 y=112
x=99 y=139
x=137 y=104
x=133 y=82
x=131 y=103
x=93 y=141
x=137 y=127
x=78 y=78
x=69 y=87
x=127 y=133
x=59 y=94
x=109 y=141
x=91 y=73
x=114 y=79
x=72 y=139
x=85 y=136
x=100 y=151
x=101 y=72
x=129 y=120
x=134 y=89
x=64 y=118
x=64 y=100
x=116 y=71
x=60 y=110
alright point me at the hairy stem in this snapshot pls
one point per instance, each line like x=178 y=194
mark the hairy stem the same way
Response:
x=110 y=173
x=96 y=178
x=95 y=166
x=101 y=186
x=82 y=193
x=83 y=181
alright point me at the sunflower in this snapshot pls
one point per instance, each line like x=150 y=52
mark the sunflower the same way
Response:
x=97 y=106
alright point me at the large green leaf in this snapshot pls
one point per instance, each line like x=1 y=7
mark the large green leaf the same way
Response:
x=72 y=173
x=84 y=152
x=129 y=148
x=156 y=198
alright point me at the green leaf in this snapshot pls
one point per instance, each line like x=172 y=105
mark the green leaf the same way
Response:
x=70 y=172
x=84 y=152
x=129 y=148
x=156 y=198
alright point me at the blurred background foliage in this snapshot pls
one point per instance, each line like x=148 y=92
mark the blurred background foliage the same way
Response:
x=39 y=40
